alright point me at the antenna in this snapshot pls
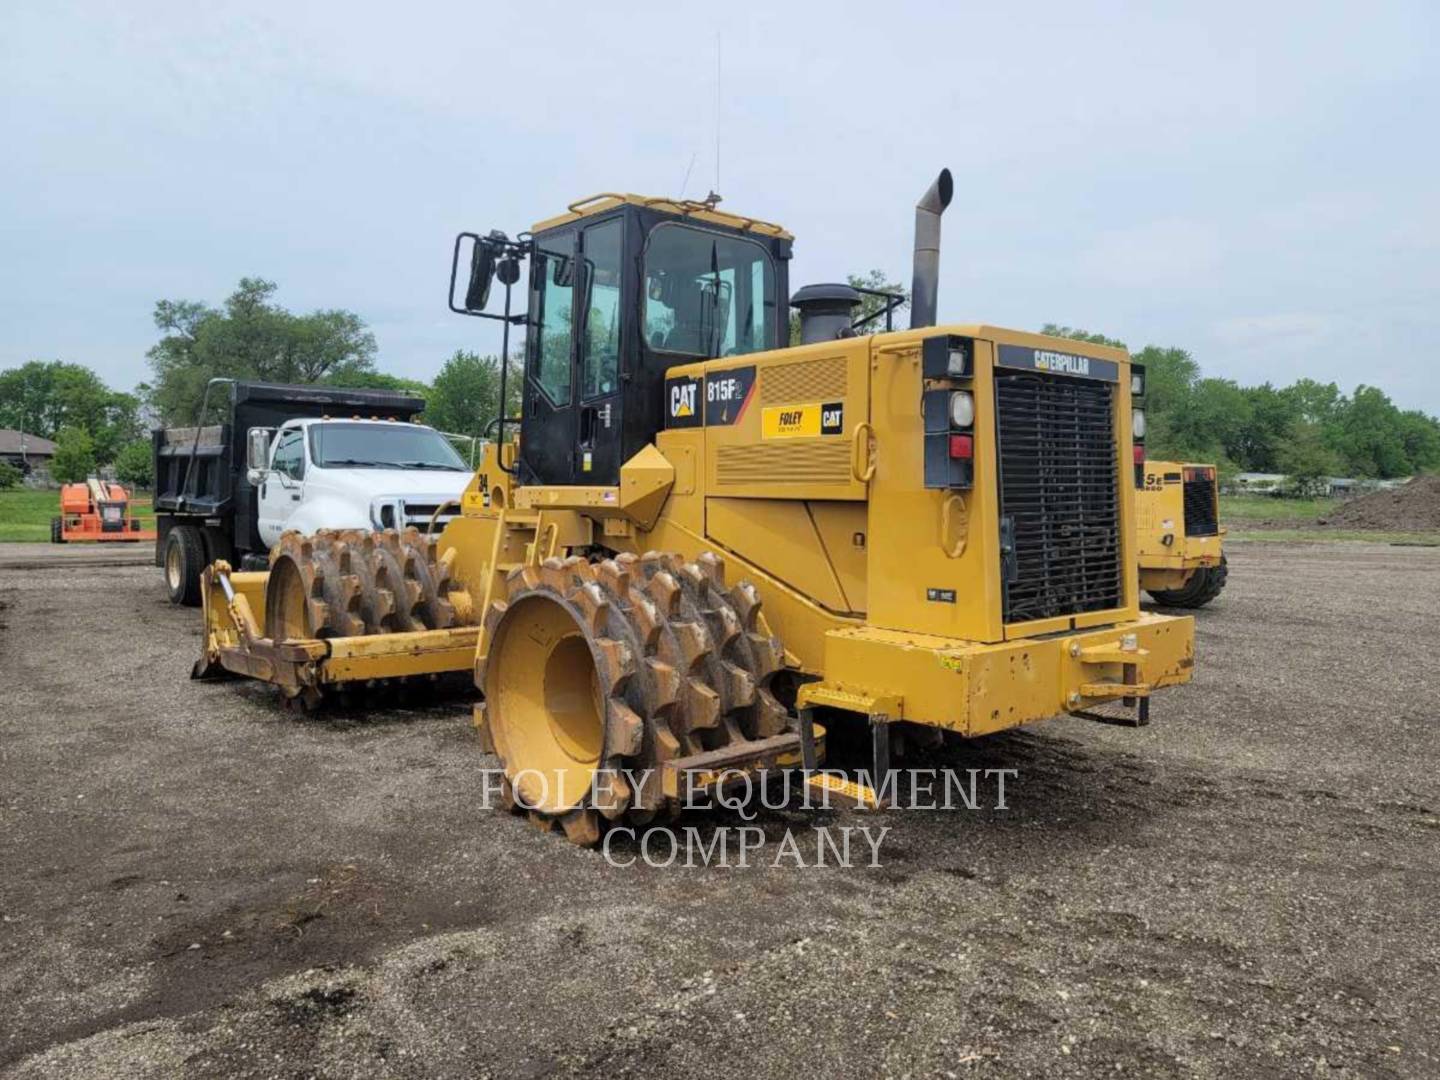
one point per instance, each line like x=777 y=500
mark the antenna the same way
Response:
x=717 y=110
x=686 y=182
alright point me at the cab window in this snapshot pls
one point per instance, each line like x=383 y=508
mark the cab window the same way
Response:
x=290 y=455
x=707 y=294
x=553 y=300
x=600 y=360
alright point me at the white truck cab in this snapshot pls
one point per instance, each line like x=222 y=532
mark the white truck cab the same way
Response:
x=323 y=473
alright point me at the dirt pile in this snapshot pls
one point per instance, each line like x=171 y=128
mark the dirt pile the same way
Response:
x=1414 y=506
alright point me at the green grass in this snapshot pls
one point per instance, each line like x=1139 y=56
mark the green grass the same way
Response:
x=1242 y=508
x=25 y=514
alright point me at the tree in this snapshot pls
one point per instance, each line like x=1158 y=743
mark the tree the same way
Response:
x=42 y=397
x=465 y=396
x=869 y=305
x=1305 y=460
x=377 y=380
x=74 y=458
x=135 y=464
x=251 y=337
x=9 y=475
x=1055 y=330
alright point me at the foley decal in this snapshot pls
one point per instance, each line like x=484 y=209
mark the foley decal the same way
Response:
x=802 y=421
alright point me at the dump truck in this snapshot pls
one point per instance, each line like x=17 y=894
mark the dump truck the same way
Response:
x=97 y=512
x=706 y=544
x=1179 y=536
x=294 y=458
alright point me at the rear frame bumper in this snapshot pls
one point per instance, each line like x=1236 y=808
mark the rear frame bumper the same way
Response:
x=975 y=688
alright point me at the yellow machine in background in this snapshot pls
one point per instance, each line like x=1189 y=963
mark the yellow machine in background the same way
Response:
x=1178 y=541
x=704 y=539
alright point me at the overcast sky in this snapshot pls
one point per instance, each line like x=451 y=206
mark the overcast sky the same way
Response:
x=1255 y=182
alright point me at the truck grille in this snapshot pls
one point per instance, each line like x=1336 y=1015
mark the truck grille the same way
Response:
x=1200 y=519
x=400 y=514
x=1059 y=496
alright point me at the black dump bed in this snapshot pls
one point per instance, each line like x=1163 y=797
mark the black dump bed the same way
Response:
x=215 y=485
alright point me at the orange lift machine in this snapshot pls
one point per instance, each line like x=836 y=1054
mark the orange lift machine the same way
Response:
x=96 y=511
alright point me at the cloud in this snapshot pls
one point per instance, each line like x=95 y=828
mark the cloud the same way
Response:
x=1295 y=332
x=1164 y=253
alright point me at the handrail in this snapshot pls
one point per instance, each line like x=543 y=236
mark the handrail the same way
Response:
x=195 y=448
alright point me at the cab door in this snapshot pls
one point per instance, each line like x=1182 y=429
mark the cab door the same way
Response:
x=574 y=371
x=284 y=485
x=548 y=427
x=599 y=404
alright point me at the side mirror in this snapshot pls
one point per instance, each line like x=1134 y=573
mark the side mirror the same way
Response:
x=562 y=271
x=482 y=272
x=257 y=449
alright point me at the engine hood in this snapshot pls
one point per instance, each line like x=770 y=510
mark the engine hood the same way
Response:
x=420 y=485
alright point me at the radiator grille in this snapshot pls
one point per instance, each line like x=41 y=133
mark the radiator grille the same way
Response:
x=1059 y=496
x=810 y=380
x=794 y=463
x=1200 y=518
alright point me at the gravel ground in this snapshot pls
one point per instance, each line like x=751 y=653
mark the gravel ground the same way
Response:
x=192 y=881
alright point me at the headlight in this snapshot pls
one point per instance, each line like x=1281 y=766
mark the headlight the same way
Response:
x=1137 y=424
x=962 y=409
x=958 y=363
x=1137 y=382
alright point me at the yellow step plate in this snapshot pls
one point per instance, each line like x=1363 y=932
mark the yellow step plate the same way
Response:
x=832 y=788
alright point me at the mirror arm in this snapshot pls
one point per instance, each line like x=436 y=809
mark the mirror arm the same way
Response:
x=504 y=371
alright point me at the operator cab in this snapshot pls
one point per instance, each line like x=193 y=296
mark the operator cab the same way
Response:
x=622 y=288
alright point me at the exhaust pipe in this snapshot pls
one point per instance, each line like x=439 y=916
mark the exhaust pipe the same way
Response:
x=925 y=288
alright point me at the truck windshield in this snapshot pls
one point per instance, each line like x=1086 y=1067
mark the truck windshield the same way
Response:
x=382 y=446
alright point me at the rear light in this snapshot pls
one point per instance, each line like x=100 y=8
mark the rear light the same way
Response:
x=1139 y=454
x=948 y=407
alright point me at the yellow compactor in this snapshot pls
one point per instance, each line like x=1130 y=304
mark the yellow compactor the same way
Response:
x=1179 y=535
x=704 y=537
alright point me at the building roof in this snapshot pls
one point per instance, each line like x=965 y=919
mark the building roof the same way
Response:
x=34 y=445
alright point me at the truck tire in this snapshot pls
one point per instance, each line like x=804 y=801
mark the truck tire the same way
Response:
x=184 y=559
x=57 y=531
x=1205 y=586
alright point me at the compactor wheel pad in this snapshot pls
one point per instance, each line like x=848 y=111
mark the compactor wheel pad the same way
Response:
x=597 y=673
x=349 y=582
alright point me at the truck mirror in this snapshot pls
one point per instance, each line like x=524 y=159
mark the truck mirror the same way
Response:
x=257 y=449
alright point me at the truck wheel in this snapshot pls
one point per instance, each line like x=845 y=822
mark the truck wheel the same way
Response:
x=184 y=559
x=57 y=531
x=1210 y=584
x=1204 y=586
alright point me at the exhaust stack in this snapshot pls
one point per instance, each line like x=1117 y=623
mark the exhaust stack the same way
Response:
x=925 y=288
